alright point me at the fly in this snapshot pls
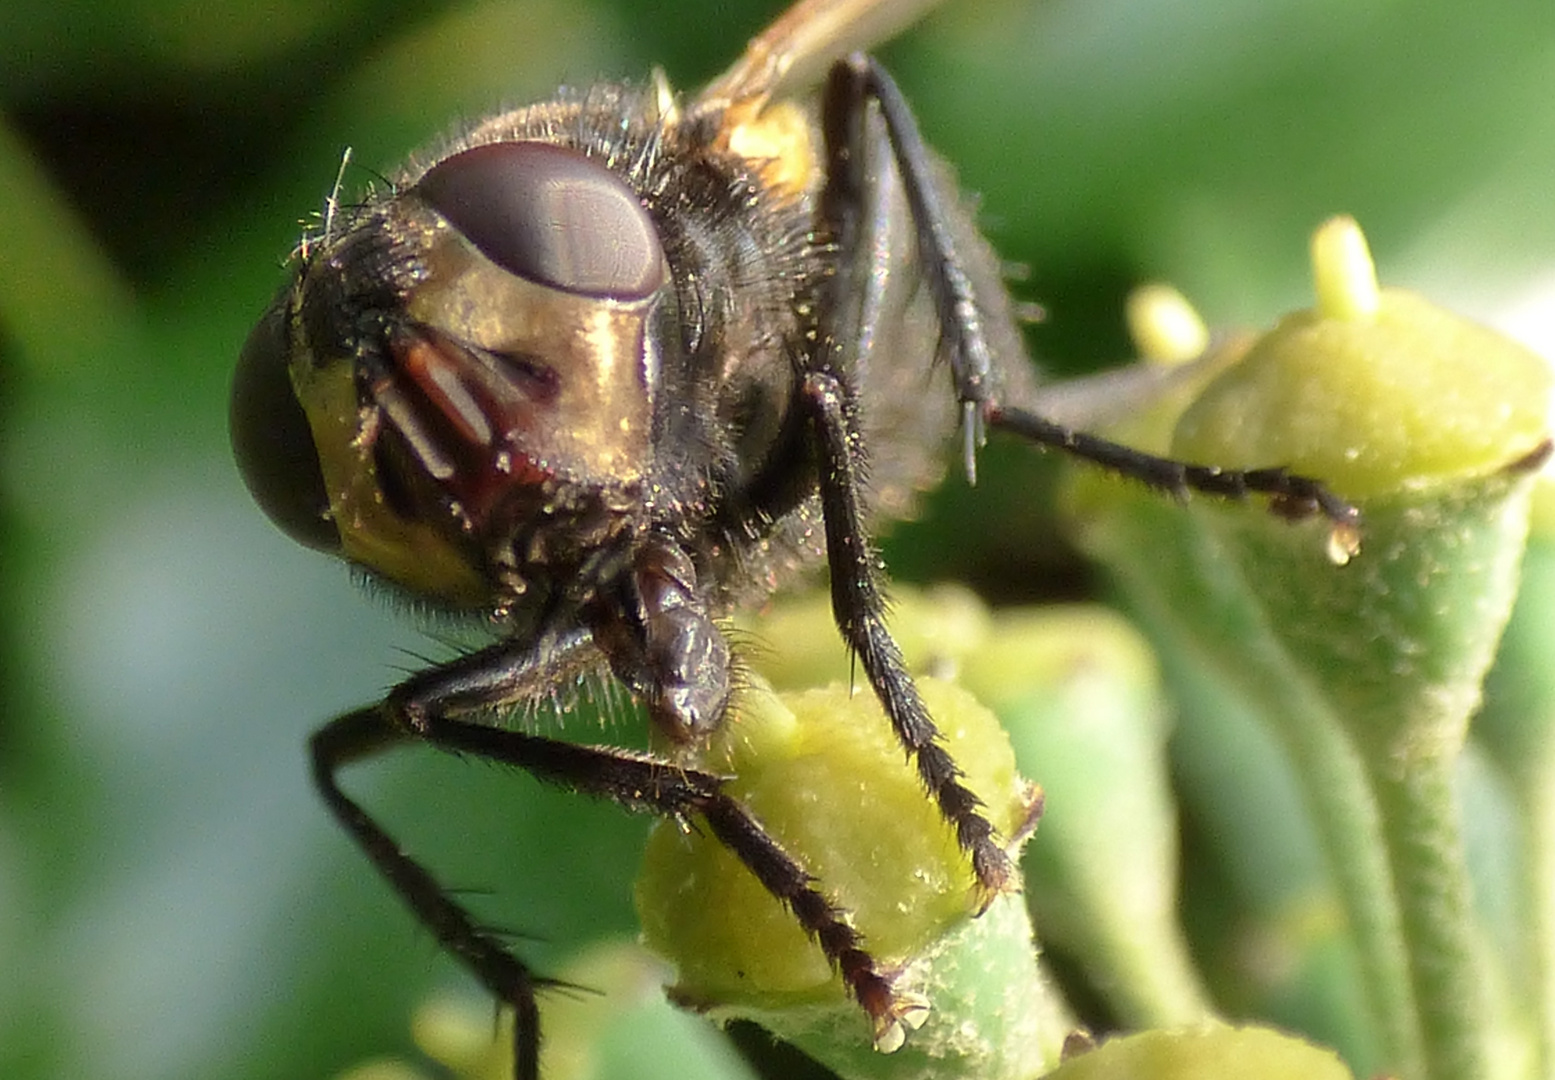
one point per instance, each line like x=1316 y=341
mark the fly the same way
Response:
x=605 y=369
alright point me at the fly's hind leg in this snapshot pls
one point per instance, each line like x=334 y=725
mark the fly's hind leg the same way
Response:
x=859 y=80
x=860 y=100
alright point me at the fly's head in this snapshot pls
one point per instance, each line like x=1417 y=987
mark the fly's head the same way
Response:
x=456 y=391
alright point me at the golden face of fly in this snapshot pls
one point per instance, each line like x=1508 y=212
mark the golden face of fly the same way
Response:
x=469 y=356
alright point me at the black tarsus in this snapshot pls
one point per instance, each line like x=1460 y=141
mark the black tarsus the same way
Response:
x=1292 y=496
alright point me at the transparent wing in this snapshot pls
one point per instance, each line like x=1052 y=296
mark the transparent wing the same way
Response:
x=795 y=51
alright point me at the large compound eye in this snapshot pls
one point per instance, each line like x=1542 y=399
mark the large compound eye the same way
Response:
x=271 y=438
x=551 y=215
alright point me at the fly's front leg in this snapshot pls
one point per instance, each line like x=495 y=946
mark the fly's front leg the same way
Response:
x=678 y=641
x=424 y=709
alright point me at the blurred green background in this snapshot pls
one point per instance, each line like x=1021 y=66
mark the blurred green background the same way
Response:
x=173 y=902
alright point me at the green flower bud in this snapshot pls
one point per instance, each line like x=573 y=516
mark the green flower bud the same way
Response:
x=823 y=772
x=1209 y=1053
x=1368 y=673
x=1373 y=392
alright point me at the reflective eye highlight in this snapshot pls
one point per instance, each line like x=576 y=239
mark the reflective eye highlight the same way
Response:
x=550 y=215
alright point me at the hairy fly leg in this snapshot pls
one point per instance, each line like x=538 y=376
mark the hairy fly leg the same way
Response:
x=1291 y=495
x=859 y=609
x=972 y=360
x=849 y=306
x=424 y=708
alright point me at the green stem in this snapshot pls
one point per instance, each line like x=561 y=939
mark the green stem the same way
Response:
x=1156 y=983
x=1328 y=765
x=1420 y=820
x=1345 y=812
x=1517 y=728
x=1540 y=855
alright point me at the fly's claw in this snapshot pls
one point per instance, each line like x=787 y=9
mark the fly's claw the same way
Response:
x=905 y=1012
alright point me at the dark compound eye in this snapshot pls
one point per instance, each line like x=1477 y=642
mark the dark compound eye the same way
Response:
x=271 y=438
x=551 y=215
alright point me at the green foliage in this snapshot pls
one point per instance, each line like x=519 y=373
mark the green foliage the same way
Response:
x=173 y=902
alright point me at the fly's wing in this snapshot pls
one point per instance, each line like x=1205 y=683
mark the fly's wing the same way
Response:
x=1107 y=398
x=906 y=395
x=890 y=331
x=795 y=51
